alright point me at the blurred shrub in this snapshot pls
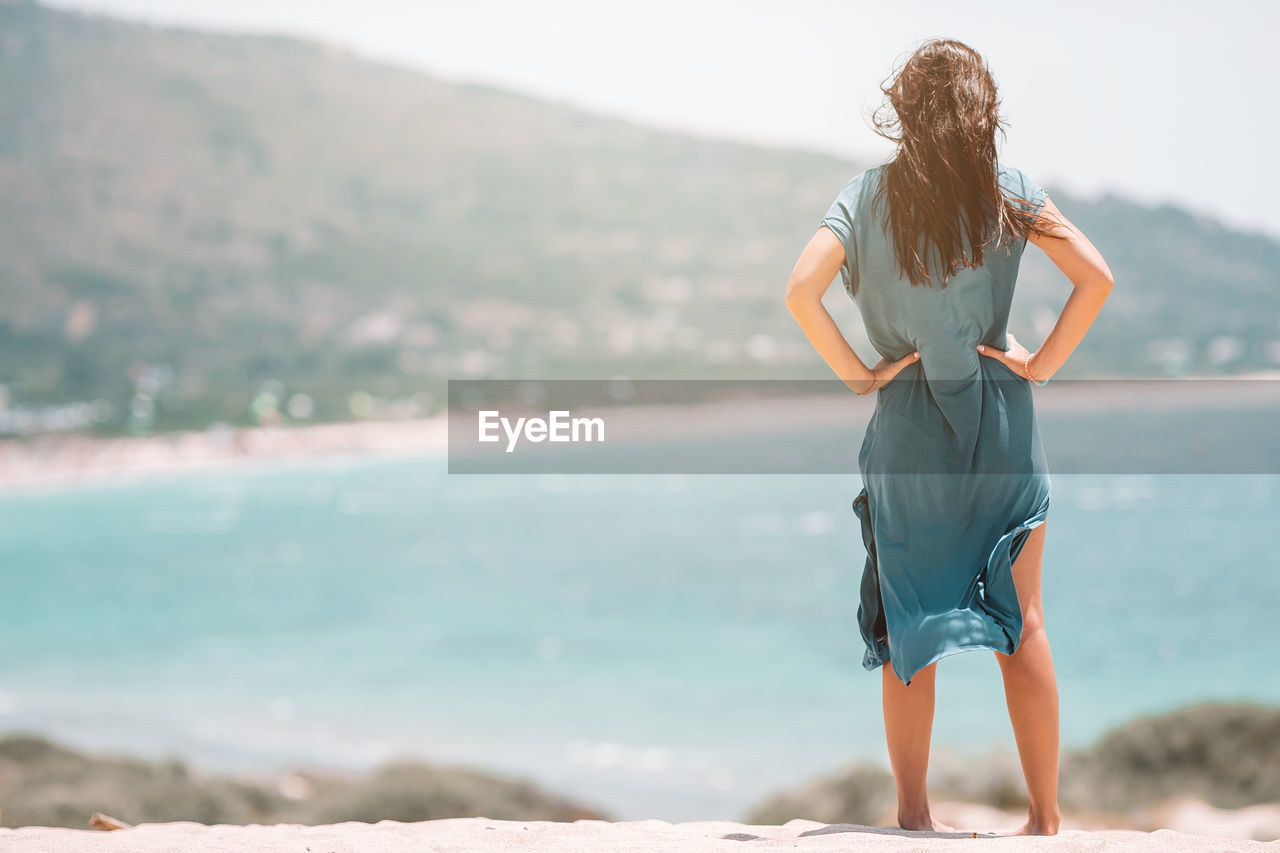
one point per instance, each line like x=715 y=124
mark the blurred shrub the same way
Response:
x=45 y=784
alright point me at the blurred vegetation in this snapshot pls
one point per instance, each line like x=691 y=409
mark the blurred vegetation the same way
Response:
x=202 y=227
x=1225 y=754
x=46 y=784
x=860 y=792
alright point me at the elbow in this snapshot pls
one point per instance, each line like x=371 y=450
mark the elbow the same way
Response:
x=1099 y=286
x=798 y=306
x=797 y=295
x=792 y=292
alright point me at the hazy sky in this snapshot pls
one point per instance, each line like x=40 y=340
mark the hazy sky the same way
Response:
x=1157 y=101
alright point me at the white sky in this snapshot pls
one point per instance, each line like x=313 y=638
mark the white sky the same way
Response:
x=1155 y=101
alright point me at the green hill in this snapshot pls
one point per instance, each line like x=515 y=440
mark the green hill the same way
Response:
x=194 y=221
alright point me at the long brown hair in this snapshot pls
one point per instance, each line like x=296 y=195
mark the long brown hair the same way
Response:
x=944 y=173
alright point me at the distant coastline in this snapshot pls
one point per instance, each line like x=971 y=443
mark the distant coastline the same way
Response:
x=58 y=459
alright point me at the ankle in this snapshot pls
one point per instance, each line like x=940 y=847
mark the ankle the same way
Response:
x=914 y=816
x=1045 y=819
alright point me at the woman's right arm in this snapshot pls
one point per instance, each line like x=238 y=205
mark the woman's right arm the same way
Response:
x=1091 y=280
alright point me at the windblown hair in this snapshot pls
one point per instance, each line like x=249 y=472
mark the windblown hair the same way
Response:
x=944 y=175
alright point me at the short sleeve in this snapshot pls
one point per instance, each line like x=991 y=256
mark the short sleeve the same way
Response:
x=840 y=218
x=1032 y=192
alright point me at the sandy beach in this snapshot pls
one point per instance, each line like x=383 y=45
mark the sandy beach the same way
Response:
x=63 y=459
x=641 y=836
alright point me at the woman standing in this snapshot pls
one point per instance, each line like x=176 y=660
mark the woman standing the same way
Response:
x=955 y=486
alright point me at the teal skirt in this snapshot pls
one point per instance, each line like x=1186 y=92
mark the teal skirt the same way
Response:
x=954 y=480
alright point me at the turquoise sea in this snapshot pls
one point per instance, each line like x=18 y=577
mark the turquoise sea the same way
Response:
x=670 y=646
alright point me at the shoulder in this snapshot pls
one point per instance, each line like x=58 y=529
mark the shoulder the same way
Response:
x=851 y=192
x=1018 y=181
x=1022 y=189
x=863 y=178
x=1011 y=176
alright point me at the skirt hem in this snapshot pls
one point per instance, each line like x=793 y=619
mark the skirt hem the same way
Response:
x=998 y=600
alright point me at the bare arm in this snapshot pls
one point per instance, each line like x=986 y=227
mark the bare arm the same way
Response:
x=813 y=273
x=1091 y=281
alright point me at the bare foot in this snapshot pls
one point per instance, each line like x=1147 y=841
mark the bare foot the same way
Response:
x=1030 y=828
x=927 y=824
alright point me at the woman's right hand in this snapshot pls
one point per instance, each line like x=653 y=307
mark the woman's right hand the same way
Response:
x=883 y=373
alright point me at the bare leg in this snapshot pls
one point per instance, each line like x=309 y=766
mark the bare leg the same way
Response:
x=1031 y=691
x=908 y=726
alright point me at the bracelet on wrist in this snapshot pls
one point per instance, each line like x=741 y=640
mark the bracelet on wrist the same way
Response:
x=1026 y=368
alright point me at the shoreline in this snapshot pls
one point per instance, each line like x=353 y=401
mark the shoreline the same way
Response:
x=76 y=459
x=68 y=459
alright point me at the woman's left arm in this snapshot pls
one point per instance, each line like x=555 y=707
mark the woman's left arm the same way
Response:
x=812 y=276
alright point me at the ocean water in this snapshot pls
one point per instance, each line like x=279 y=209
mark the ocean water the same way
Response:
x=670 y=646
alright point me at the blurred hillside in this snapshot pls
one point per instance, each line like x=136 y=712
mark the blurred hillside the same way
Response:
x=202 y=227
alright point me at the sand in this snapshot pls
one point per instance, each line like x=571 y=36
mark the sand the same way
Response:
x=585 y=836
x=58 y=460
